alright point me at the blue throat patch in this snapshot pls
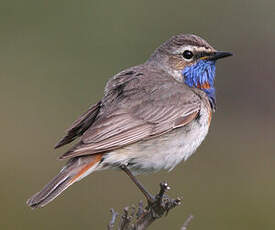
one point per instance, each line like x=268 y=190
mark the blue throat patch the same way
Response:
x=202 y=75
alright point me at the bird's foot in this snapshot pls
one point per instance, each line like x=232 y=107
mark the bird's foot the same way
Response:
x=161 y=203
x=140 y=218
x=156 y=205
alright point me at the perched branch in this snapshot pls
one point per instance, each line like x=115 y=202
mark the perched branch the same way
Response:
x=141 y=218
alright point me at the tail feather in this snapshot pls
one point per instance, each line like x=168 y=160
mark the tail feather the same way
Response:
x=75 y=170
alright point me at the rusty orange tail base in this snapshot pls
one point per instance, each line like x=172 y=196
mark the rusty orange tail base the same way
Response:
x=75 y=169
x=97 y=158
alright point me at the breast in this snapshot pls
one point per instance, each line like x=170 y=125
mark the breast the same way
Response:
x=165 y=151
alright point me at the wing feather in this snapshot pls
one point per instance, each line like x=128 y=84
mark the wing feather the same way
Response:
x=137 y=111
x=80 y=125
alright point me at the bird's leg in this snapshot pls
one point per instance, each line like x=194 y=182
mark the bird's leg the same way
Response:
x=149 y=197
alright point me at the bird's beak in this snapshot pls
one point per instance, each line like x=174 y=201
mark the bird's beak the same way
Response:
x=218 y=55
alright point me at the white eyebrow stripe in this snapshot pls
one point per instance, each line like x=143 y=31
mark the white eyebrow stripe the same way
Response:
x=195 y=48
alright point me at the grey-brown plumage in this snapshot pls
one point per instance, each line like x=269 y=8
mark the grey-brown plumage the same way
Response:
x=148 y=119
x=133 y=110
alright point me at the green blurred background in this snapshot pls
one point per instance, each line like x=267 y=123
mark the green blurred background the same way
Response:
x=55 y=58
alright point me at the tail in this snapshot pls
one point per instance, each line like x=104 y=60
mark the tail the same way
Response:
x=75 y=169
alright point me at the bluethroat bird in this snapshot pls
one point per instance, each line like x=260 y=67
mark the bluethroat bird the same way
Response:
x=151 y=117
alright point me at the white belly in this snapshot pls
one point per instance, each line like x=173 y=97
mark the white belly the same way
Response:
x=163 y=152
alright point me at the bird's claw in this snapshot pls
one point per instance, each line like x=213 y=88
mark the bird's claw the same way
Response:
x=162 y=203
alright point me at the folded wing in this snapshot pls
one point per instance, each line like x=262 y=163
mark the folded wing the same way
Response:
x=136 y=109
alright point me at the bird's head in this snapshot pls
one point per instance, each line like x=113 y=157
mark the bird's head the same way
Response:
x=190 y=59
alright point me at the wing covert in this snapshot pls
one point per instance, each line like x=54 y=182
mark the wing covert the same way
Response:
x=137 y=110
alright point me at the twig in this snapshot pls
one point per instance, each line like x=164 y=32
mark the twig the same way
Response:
x=161 y=205
x=113 y=219
x=140 y=211
x=126 y=219
x=187 y=222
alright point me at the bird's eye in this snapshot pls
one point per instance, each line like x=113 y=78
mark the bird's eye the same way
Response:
x=187 y=54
